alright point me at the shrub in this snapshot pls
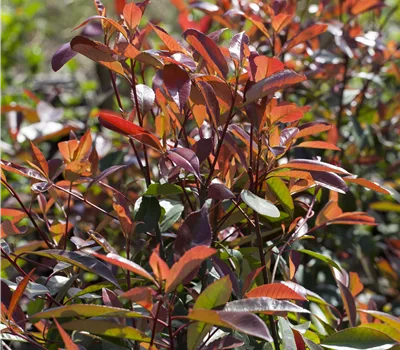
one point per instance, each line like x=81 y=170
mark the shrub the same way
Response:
x=199 y=213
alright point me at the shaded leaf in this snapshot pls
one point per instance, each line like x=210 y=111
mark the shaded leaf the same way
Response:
x=104 y=174
x=185 y=159
x=16 y=296
x=178 y=84
x=321 y=257
x=349 y=303
x=115 y=24
x=211 y=101
x=163 y=190
x=63 y=55
x=194 y=231
x=238 y=46
x=219 y=191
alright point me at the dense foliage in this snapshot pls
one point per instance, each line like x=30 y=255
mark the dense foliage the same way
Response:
x=231 y=186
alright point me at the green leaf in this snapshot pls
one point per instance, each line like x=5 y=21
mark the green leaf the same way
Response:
x=163 y=190
x=107 y=328
x=149 y=213
x=173 y=211
x=358 y=338
x=81 y=310
x=392 y=332
x=260 y=205
x=279 y=188
x=321 y=257
x=385 y=206
x=216 y=294
x=81 y=260
x=384 y=317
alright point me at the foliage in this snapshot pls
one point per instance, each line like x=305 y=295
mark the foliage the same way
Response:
x=241 y=194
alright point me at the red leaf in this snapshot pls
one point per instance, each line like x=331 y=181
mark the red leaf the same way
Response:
x=178 y=84
x=211 y=101
x=118 y=124
x=355 y=285
x=125 y=264
x=16 y=296
x=313 y=165
x=141 y=296
x=208 y=50
x=312 y=128
x=262 y=67
x=115 y=24
x=159 y=266
x=132 y=15
x=319 y=145
x=280 y=21
x=97 y=52
x=349 y=303
x=361 y=6
x=190 y=261
x=168 y=40
x=69 y=344
x=274 y=290
x=368 y=184
x=39 y=159
x=119 y=6
x=272 y=84
x=305 y=35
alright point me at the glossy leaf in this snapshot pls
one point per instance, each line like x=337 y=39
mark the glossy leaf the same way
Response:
x=241 y=321
x=145 y=96
x=329 y=180
x=313 y=165
x=124 y=264
x=108 y=329
x=349 y=303
x=110 y=21
x=275 y=291
x=263 y=305
x=313 y=128
x=384 y=317
x=211 y=101
x=219 y=191
x=97 y=52
x=190 y=261
x=238 y=46
x=124 y=127
x=320 y=257
x=272 y=84
x=16 y=296
x=81 y=260
x=260 y=205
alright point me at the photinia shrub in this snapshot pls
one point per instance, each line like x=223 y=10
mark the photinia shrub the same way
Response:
x=198 y=213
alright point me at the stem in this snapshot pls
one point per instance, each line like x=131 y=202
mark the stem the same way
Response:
x=67 y=216
x=85 y=201
x=27 y=212
x=153 y=332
